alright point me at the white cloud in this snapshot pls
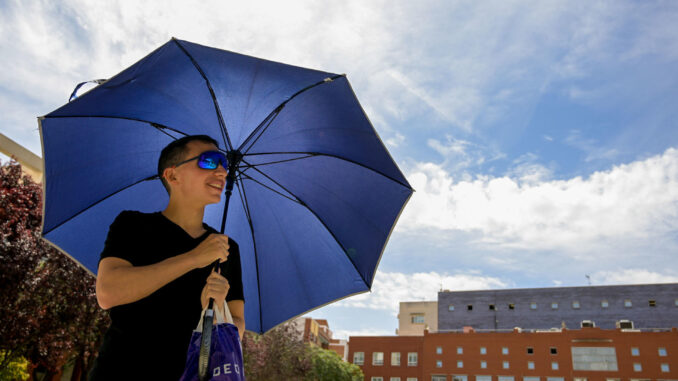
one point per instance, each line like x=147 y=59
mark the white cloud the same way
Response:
x=345 y=333
x=390 y=288
x=633 y=276
x=632 y=201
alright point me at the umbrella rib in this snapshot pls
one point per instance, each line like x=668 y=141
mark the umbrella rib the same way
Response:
x=259 y=131
x=97 y=202
x=272 y=190
x=250 y=165
x=312 y=154
x=246 y=207
x=158 y=126
x=302 y=203
x=222 y=125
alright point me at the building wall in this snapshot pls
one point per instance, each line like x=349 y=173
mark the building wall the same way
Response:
x=663 y=314
x=517 y=356
x=340 y=346
x=429 y=311
x=387 y=345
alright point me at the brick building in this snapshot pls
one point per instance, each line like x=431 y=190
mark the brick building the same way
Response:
x=601 y=333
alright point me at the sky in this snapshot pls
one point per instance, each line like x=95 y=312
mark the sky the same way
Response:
x=540 y=137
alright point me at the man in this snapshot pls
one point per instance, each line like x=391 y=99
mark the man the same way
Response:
x=155 y=272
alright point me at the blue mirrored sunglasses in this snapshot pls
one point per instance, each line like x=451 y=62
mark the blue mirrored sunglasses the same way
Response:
x=209 y=160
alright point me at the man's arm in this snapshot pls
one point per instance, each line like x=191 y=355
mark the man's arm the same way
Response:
x=119 y=282
x=237 y=308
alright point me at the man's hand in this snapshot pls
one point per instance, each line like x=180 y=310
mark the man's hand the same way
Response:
x=216 y=287
x=214 y=247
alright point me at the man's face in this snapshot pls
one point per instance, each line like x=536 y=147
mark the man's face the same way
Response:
x=194 y=184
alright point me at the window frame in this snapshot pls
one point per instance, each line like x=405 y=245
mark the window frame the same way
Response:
x=362 y=361
x=374 y=359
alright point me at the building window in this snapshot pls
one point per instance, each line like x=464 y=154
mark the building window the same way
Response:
x=504 y=351
x=412 y=358
x=394 y=379
x=439 y=350
x=652 y=303
x=377 y=378
x=483 y=350
x=395 y=358
x=627 y=303
x=438 y=378
x=505 y=365
x=460 y=350
x=450 y=308
x=675 y=302
x=554 y=306
x=635 y=352
x=491 y=307
x=512 y=306
x=530 y=365
x=662 y=352
x=483 y=365
x=459 y=377
x=377 y=358
x=575 y=305
x=439 y=364
x=579 y=379
x=460 y=364
x=665 y=367
x=554 y=350
x=554 y=366
x=469 y=307
x=637 y=367
x=530 y=378
x=530 y=350
x=359 y=358
x=411 y=379
x=418 y=319
x=604 y=304
x=533 y=305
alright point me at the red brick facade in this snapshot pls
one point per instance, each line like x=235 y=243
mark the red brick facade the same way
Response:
x=550 y=356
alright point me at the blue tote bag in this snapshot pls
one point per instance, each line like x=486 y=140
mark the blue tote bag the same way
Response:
x=225 y=363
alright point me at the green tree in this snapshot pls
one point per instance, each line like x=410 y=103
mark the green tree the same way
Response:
x=328 y=366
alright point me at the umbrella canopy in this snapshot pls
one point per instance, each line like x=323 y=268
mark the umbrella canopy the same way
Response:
x=316 y=193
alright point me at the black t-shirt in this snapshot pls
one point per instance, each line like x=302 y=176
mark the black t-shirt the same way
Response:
x=148 y=339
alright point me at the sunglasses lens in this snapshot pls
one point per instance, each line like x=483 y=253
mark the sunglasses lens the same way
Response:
x=211 y=160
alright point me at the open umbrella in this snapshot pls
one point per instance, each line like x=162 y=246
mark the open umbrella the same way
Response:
x=315 y=197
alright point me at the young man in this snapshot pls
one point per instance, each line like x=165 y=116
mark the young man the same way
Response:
x=155 y=274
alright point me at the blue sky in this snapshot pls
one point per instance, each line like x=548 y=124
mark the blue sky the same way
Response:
x=539 y=136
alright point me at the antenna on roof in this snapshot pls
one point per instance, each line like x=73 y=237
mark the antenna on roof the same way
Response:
x=589 y=278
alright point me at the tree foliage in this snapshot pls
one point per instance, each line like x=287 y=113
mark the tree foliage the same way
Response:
x=328 y=366
x=280 y=354
x=48 y=306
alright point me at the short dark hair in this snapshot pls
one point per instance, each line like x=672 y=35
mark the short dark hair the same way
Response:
x=174 y=153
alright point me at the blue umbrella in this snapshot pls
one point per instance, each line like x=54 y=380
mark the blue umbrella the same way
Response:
x=315 y=197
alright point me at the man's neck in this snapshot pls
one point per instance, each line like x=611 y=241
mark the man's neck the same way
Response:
x=188 y=217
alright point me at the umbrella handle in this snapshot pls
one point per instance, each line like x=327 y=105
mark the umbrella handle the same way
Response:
x=206 y=338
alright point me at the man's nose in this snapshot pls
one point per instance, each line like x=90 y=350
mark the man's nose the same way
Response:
x=221 y=170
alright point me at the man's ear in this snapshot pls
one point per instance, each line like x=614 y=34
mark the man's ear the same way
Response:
x=170 y=175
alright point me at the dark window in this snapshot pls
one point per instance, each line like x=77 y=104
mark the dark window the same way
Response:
x=470 y=307
x=530 y=350
x=492 y=307
x=512 y=306
x=653 y=303
x=554 y=350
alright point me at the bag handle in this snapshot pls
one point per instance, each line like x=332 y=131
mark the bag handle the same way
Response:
x=221 y=319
